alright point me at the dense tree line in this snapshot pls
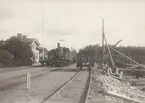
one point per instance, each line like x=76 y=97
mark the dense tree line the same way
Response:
x=136 y=53
x=91 y=51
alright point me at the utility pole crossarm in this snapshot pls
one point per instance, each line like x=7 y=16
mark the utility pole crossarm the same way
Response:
x=117 y=43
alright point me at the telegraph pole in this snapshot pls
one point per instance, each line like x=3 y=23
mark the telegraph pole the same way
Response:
x=102 y=43
x=43 y=31
x=103 y=47
x=110 y=55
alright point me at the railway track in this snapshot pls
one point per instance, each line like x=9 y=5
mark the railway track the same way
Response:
x=75 y=90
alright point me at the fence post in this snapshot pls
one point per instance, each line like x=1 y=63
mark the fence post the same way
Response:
x=28 y=81
x=121 y=74
x=117 y=71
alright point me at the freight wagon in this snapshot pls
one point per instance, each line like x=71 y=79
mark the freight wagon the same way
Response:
x=84 y=61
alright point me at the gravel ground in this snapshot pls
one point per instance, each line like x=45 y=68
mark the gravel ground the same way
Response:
x=120 y=91
x=40 y=87
x=95 y=95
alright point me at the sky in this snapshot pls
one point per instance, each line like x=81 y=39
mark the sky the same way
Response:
x=77 y=22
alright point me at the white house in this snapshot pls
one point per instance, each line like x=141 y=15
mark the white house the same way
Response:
x=43 y=54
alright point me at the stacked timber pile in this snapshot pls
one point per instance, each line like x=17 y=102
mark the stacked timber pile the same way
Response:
x=118 y=91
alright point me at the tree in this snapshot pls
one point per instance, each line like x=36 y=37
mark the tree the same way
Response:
x=93 y=51
x=21 y=51
x=136 y=53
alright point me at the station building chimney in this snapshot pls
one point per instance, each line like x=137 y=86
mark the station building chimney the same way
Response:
x=19 y=36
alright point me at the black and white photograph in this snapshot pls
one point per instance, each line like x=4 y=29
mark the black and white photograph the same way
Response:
x=72 y=51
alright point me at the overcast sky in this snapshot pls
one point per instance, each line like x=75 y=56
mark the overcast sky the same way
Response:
x=78 y=22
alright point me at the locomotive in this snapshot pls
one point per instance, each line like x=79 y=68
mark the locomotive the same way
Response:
x=58 y=57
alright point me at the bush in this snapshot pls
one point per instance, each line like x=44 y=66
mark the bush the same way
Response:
x=6 y=59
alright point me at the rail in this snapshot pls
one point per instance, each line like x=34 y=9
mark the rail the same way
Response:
x=86 y=91
x=61 y=87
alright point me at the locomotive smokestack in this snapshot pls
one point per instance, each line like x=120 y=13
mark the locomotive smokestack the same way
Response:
x=58 y=45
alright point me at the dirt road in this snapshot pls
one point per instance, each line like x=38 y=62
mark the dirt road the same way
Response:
x=10 y=77
x=41 y=86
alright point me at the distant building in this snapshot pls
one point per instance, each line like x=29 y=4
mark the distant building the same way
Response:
x=43 y=54
x=34 y=44
x=2 y=42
